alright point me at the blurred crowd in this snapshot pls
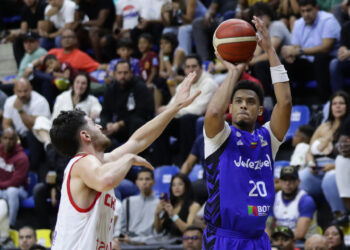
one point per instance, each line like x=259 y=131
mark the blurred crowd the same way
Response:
x=121 y=62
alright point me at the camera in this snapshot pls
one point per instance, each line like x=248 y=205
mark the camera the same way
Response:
x=164 y=196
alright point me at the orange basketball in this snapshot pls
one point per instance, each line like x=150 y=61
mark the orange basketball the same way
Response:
x=235 y=40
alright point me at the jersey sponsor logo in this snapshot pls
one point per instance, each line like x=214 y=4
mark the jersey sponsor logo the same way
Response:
x=109 y=201
x=258 y=210
x=256 y=165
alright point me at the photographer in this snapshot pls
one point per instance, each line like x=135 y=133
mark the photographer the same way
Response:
x=174 y=215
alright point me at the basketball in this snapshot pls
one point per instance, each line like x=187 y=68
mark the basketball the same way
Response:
x=235 y=40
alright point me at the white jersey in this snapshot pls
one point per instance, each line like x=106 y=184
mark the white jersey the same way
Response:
x=287 y=215
x=83 y=228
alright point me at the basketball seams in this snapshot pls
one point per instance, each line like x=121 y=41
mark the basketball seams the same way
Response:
x=235 y=39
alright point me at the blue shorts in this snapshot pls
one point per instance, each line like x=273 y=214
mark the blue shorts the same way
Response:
x=221 y=239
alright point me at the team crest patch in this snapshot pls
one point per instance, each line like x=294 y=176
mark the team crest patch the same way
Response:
x=262 y=141
x=253 y=144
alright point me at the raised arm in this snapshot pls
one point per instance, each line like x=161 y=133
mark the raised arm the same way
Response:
x=280 y=118
x=148 y=133
x=214 y=117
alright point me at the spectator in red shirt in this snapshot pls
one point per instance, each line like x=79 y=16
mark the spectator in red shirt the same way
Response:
x=14 y=165
x=70 y=54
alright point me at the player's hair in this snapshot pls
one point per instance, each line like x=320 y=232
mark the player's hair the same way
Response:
x=193 y=228
x=187 y=197
x=147 y=36
x=345 y=96
x=194 y=56
x=171 y=38
x=125 y=42
x=37 y=247
x=307 y=2
x=307 y=130
x=120 y=62
x=87 y=91
x=145 y=170
x=65 y=131
x=28 y=227
x=246 y=84
x=49 y=57
x=261 y=8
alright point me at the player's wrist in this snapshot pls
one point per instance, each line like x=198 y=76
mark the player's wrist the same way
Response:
x=279 y=74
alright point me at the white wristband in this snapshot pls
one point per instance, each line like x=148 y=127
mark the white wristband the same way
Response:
x=279 y=74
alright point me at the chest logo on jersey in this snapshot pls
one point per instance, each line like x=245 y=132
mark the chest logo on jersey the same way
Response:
x=258 y=210
x=256 y=165
x=109 y=201
x=262 y=141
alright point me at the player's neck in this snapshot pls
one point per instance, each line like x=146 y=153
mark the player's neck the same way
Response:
x=247 y=128
x=91 y=150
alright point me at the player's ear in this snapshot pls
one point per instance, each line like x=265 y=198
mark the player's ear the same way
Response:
x=261 y=110
x=85 y=136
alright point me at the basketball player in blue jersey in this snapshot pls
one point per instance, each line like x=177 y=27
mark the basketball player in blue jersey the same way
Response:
x=239 y=158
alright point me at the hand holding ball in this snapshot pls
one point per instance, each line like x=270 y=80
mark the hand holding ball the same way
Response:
x=235 y=40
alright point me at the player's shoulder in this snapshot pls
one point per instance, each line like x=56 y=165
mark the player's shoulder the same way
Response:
x=86 y=161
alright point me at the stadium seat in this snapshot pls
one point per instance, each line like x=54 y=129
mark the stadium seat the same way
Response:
x=278 y=166
x=196 y=173
x=43 y=237
x=162 y=177
x=300 y=115
x=14 y=237
x=98 y=75
x=32 y=181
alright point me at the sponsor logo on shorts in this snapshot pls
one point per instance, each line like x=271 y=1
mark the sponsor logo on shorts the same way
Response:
x=258 y=210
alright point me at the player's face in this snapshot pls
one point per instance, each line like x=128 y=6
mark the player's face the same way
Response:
x=143 y=45
x=309 y=13
x=178 y=187
x=192 y=65
x=145 y=183
x=99 y=140
x=333 y=237
x=338 y=107
x=245 y=108
x=192 y=240
x=26 y=238
x=289 y=186
x=283 y=242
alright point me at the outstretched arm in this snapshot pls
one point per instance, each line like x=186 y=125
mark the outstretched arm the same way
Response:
x=280 y=118
x=214 y=117
x=149 y=132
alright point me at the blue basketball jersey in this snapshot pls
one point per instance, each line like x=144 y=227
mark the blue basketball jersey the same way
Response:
x=240 y=183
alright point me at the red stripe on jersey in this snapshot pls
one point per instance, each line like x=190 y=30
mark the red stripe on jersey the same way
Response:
x=80 y=210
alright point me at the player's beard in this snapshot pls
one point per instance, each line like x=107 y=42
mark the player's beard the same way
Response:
x=290 y=195
x=101 y=143
x=243 y=125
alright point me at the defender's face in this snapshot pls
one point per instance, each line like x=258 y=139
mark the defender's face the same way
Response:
x=245 y=108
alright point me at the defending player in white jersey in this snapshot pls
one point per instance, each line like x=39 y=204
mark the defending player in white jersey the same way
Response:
x=86 y=209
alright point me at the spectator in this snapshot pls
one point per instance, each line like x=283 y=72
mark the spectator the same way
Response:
x=342 y=170
x=32 y=13
x=128 y=13
x=289 y=12
x=175 y=215
x=3 y=98
x=177 y=17
x=204 y=27
x=280 y=36
x=37 y=247
x=32 y=51
x=192 y=238
x=340 y=12
x=27 y=237
x=339 y=66
x=101 y=15
x=300 y=142
x=335 y=238
x=318 y=178
x=283 y=238
x=171 y=58
x=127 y=104
x=59 y=15
x=20 y=112
x=315 y=38
x=78 y=97
x=183 y=126
x=70 y=54
x=134 y=225
x=293 y=207
x=316 y=242
x=13 y=172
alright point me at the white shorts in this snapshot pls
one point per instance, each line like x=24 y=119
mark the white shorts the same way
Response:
x=342 y=175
